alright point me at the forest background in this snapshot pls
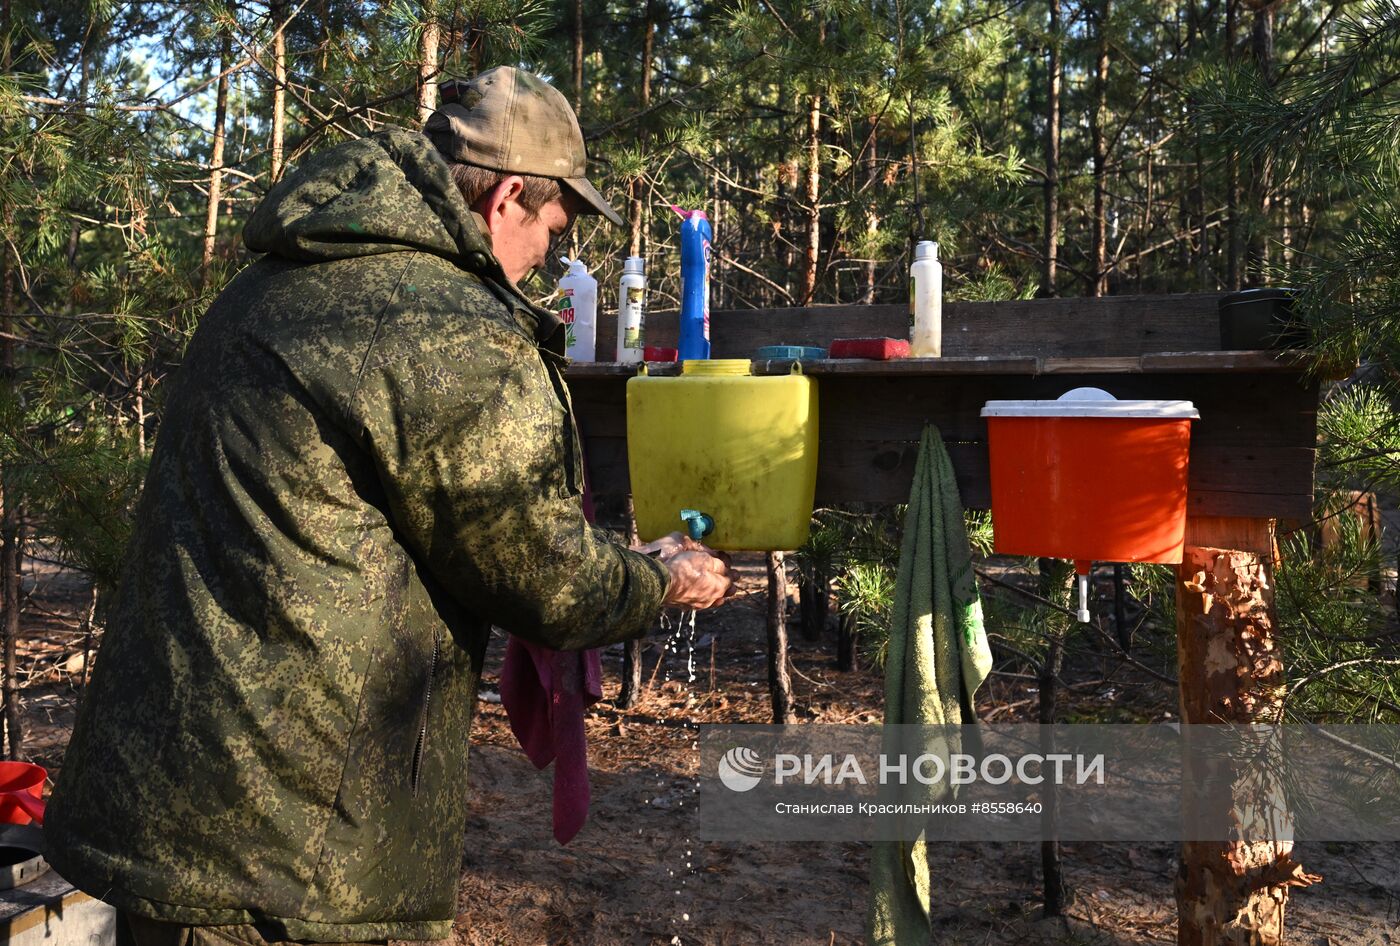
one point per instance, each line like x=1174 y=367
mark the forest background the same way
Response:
x=1051 y=147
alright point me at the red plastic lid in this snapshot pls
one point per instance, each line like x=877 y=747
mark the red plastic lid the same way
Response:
x=650 y=353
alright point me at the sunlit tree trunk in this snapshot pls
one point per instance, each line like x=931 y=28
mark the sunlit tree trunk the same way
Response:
x=1052 y=156
x=812 y=196
x=578 y=55
x=279 y=96
x=1099 y=282
x=216 y=158
x=1232 y=169
x=1261 y=171
x=872 y=212
x=634 y=207
x=428 y=42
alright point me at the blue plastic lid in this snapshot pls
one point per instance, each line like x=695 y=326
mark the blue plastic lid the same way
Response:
x=789 y=352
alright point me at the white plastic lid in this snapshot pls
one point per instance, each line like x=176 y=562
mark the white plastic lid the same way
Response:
x=925 y=249
x=576 y=266
x=634 y=264
x=1091 y=402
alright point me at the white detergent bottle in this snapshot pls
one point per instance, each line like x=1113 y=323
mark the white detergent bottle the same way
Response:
x=631 y=310
x=578 y=308
x=926 y=302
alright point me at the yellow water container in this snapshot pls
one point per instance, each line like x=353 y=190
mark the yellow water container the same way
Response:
x=740 y=449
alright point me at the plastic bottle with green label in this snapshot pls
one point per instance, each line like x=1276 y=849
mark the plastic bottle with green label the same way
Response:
x=578 y=309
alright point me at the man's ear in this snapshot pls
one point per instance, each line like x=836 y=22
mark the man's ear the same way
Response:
x=492 y=205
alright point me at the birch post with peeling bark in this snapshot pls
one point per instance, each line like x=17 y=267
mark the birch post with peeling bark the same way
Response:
x=1231 y=893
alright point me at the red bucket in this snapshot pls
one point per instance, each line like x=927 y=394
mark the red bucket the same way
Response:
x=22 y=792
x=1090 y=478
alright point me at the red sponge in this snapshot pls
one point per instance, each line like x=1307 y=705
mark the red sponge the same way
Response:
x=880 y=349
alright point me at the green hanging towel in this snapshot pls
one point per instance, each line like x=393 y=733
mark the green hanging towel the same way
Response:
x=938 y=656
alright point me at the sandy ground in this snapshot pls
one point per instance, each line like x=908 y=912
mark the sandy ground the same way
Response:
x=635 y=876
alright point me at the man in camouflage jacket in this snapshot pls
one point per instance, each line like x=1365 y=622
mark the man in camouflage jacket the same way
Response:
x=368 y=458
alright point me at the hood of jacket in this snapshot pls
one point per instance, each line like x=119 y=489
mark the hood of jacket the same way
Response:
x=385 y=193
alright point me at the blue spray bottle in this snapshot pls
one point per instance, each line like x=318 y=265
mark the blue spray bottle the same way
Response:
x=695 y=285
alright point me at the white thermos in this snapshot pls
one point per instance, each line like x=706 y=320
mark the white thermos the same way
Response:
x=926 y=302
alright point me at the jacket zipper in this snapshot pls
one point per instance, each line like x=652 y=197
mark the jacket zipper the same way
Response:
x=422 y=745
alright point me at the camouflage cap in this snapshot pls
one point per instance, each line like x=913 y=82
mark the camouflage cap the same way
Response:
x=509 y=120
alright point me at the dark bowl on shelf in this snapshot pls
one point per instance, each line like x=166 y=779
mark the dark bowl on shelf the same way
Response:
x=1260 y=319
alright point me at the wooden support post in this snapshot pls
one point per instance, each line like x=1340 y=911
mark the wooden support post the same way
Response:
x=779 y=681
x=632 y=650
x=631 y=674
x=814 y=600
x=1230 y=893
x=846 y=641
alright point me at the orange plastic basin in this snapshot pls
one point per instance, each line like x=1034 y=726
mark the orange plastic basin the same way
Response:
x=1090 y=478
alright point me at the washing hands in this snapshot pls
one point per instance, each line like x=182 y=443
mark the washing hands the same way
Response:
x=700 y=577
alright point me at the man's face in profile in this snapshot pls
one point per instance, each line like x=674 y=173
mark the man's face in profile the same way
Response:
x=523 y=241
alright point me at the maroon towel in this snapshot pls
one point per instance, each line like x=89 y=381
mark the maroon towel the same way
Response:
x=544 y=693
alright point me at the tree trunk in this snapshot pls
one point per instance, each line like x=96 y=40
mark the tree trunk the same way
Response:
x=631 y=674
x=1120 y=608
x=1051 y=871
x=1054 y=574
x=1099 y=282
x=779 y=683
x=632 y=650
x=428 y=43
x=634 y=206
x=1261 y=171
x=1231 y=672
x=578 y=57
x=1203 y=282
x=845 y=641
x=814 y=599
x=216 y=159
x=75 y=231
x=717 y=269
x=872 y=212
x=1052 y=156
x=88 y=627
x=1232 y=170
x=10 y=517
x=140 y=410
x=10 y=598
x=279 y=96
x=812 y=195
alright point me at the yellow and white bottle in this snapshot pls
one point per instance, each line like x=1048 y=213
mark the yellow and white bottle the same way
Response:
x=631 y=310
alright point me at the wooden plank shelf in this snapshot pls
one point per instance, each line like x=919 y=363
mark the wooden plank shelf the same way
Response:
x=1201 y=362
x=1252 y=451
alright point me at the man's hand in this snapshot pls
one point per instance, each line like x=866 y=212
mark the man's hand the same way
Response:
x=700 y=579
x=668 y=546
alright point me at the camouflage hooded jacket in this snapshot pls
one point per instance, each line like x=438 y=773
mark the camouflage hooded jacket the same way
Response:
x=368 y=458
